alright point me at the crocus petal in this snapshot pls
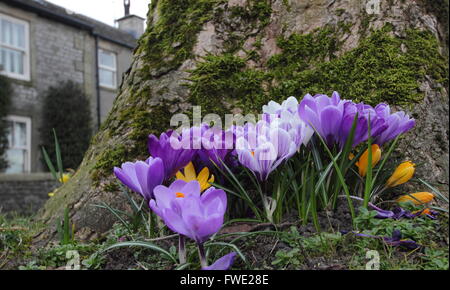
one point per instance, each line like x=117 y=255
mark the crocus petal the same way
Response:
x=223 y=263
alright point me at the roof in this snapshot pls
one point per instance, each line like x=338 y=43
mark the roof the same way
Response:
x=61 y=14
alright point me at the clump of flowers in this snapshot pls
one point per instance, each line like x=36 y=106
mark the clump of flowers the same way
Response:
x=282 y=155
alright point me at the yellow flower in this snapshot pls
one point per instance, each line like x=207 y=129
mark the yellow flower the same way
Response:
x=202 y=177
x=351 y=156
x=417 y=198
x=64 y=178
x=363 y=161
x=51 y=194
x=402 y=174
x=423 y=211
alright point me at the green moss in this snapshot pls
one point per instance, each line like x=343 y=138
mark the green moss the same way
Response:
x=256 y=12
x=108 y=159
x=242 y=22
x=135 y=122
x=224 y=78
x=383 y=68
x=169 y=41
x=339 y=11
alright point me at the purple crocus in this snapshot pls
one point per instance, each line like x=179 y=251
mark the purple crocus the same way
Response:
x=188 y=213
x=366 y=114
x=223 y=263
x=395 y=240
x=333 y=119
x=398 y=212
x=323 y=113
x=217 y=146
x=142 y=177
x=263 y=148
x=397 y=123
x=174 y=150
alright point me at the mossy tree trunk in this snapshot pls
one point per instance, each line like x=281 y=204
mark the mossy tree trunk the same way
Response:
x=236 y=55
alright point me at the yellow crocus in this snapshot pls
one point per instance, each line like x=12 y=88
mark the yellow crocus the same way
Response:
x=363 y=161
x=402 y=174
x=190 y=175
x=64 y=178
x=351 y=156
x=417 y=198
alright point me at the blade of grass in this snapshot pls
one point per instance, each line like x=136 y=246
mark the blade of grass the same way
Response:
x=368 y=184
x=58 y=156
x=145 y=245
x=50 y=164
x=435 y=190
x=234 y=247
x=386 y=156
x=345 y=153
x=340 y=176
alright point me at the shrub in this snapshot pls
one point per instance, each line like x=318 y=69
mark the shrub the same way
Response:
x=5 y=100
x=66 y=109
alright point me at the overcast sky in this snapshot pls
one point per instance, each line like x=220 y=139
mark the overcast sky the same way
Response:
x=104 y=10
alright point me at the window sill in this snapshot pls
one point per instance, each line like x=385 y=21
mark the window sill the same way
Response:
x=18 y=80
x=108 y=88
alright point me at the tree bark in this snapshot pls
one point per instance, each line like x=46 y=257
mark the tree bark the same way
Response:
x=182 y=34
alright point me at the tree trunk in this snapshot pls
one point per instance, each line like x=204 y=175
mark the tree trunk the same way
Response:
x=236 y=55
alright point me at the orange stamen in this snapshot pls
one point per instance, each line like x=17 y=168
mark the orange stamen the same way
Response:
x=179 y=194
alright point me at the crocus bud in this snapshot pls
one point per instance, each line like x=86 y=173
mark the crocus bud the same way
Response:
x=363 y=161
x=402 y=174
x=65 y=177
x=417 y=198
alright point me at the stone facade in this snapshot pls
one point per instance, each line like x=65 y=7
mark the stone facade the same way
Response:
x=62 y=46
x=59 y=52
x=25 y=193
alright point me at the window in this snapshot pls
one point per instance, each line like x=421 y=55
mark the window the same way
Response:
x=107 y=69
x=14 y=49
x=18 y=154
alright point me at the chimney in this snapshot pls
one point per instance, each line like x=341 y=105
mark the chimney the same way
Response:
x=130 y=23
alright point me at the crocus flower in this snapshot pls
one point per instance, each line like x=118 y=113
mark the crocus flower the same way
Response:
x=65 y=177
x=399 y=213
x=188 y=213
x=396 y=213
x=402 y=174
x=366 y=116
x=395 y=240
x=189 y=174
x=174 y=150
x=426 y=212
x=264 y=148
x=324 y=114
x=417 y=198
x=217 y=146
x=397 y=123
x=223 y=263
x=333 y=119
x=290 y=121
x=274 y=108
x=363 y=161
x=140 y=176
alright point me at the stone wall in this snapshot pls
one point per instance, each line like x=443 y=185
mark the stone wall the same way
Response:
x=59 y=52
x=25 y=193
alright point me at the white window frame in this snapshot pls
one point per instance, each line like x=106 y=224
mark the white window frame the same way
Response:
x=108 y=68
x=27 y=121
x=26 y=60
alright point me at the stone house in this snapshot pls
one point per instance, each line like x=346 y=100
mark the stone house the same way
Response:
x=41 y=45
